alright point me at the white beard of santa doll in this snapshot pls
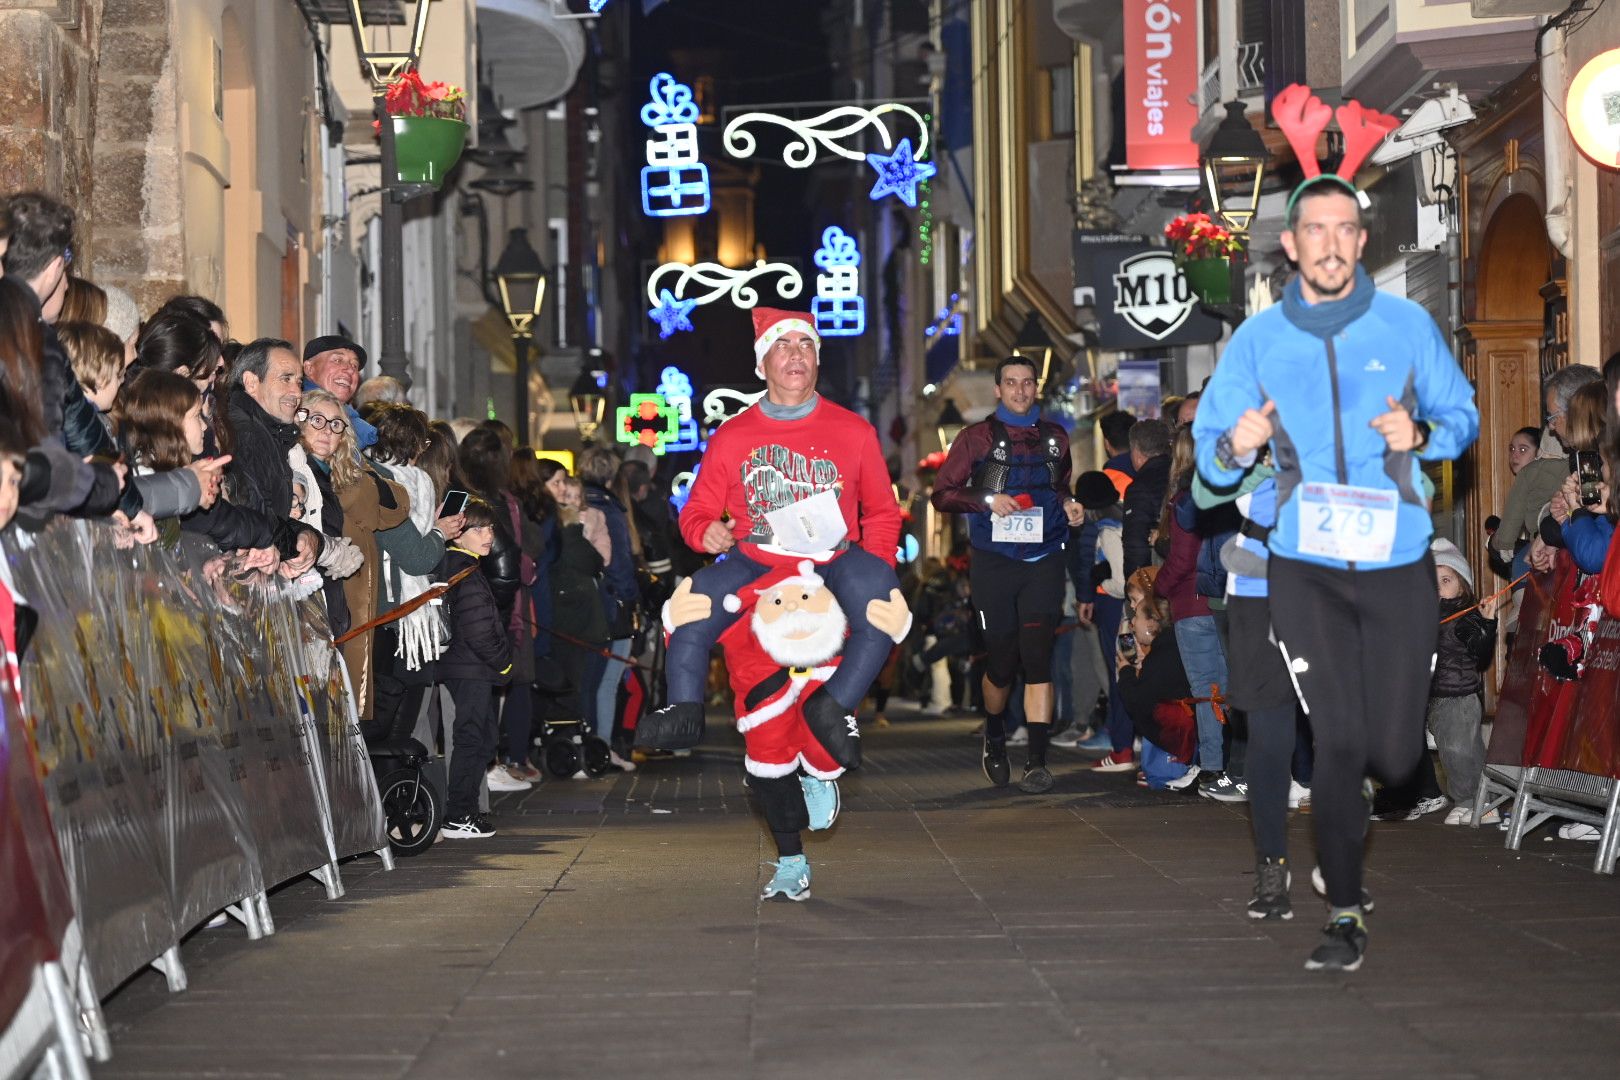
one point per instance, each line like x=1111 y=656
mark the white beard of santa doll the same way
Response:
x=800 y=638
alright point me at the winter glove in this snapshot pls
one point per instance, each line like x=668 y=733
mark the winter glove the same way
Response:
x=1562 y=657
x=339 y=558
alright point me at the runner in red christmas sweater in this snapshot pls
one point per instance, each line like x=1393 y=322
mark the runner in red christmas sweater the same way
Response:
x=799 y=477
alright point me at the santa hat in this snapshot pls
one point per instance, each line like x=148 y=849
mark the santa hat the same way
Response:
x=803 y=575
x=771 y=323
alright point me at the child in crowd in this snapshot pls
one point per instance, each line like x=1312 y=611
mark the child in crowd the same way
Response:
x=97 y=357
x=477 y=660
x=1464 y=649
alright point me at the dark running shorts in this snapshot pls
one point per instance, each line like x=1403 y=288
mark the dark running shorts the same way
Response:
x=1008 y=593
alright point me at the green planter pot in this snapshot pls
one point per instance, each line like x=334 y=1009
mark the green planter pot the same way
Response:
x=1209 y=279
x=426 y=148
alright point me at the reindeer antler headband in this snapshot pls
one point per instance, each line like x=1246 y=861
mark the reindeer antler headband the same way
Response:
x=1303 y=116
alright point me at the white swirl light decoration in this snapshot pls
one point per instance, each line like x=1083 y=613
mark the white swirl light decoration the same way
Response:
x=671 y=305
x=721 y=404
x=822 y=131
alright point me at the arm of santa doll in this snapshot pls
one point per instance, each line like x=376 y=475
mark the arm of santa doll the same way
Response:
x=685 y=606
x=891 y=616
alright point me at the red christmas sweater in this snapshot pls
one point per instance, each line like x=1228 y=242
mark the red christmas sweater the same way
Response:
x=755 y=465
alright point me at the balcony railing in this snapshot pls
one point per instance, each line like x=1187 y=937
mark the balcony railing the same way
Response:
x=1209 y=86
x=1251 y=67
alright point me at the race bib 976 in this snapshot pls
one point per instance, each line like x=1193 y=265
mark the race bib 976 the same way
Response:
x=1020 y=527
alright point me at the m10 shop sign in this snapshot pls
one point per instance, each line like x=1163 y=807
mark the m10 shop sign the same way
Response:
x=1161 y=83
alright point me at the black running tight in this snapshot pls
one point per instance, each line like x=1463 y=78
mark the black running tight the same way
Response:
x=781 y=798
x=1360 y=647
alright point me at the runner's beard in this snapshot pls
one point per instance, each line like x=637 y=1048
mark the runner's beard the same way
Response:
x=825 y=637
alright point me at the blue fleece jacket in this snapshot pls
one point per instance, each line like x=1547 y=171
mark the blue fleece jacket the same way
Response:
x=1327 y=390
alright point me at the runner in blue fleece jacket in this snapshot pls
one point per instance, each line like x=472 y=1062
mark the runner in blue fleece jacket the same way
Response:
x=1353 y=389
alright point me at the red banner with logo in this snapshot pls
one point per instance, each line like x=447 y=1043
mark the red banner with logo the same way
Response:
x=1161 y=83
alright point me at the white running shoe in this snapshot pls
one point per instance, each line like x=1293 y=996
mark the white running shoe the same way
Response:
x=501 y=779
x=620 y=763
x=1299 y=796
x=1185 y=780
x=1578 y=830
x=1019 y=737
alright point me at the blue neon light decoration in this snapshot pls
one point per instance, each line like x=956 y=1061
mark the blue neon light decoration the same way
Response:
x=674 y=182
x=839 y=308
x=676 y=387
x=598 y=5
x=899 y=173
x=672 y=314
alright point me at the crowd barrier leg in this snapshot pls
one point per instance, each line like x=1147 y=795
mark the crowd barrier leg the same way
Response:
x=250 y=913
x=92 y=1024
x=1609 y=840
x=262 y=903
x=386 y=854
x=1497 y=787
x=66 y=1058
x=1521 y=824
x=173 y=971
x=329 y=876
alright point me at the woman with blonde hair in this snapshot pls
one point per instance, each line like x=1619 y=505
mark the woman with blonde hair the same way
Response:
x=367 y=504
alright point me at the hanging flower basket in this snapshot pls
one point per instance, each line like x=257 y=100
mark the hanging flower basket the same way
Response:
x=430 y=128
x=426 y=148
x=1209 y=279
x=1204 y=251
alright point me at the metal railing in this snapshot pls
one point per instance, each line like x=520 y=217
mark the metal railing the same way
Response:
x=1251 y=66
x=1209 y=85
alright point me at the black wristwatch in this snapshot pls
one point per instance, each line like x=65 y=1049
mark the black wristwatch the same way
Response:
x=1424 y=430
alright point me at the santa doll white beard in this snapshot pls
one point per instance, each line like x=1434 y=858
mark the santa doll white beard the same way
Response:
x=819 y=646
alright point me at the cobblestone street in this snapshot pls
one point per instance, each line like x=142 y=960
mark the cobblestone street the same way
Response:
x=611 y=929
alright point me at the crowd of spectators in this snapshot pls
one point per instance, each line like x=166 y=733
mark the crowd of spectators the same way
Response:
x=308 y=476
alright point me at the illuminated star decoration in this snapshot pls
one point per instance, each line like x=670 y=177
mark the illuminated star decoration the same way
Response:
x=672 y=314
x=899 y=173
x=598 y=5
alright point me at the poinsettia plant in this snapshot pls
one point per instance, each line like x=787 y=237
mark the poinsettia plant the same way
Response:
x=1195 y=236
x=410 y=95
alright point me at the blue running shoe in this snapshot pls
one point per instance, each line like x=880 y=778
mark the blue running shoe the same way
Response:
x=821 y=799
x=1097 y=743
x=792 y=880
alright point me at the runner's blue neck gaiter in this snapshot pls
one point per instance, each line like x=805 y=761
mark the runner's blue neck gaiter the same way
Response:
x=1326 y=319
x=1007 y=416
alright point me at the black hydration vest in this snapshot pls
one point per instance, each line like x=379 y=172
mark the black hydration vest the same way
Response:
x=1001 y=469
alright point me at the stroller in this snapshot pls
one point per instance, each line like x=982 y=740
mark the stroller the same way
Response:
x=563 y=744
x=410 y=780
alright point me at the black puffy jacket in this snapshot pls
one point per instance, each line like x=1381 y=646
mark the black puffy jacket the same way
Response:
x=503 y=566
x=1143 y=501
x=259 y=475
x=1464 y=650
x=480 y=647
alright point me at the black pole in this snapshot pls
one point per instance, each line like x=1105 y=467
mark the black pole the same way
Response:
x=392 y=360
x=520 y=364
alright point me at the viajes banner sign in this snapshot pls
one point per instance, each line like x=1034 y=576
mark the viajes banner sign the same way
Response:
x=1161 y=84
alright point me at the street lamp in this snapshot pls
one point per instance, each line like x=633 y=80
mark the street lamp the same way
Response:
x=1235 y=160
x=949 y=425
x=385 y=64
x=1034 y=345
x=521 y=277
x=589 y=402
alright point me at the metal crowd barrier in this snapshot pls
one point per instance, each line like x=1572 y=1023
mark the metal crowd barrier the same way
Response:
x=1555 y=746
x=195 y=742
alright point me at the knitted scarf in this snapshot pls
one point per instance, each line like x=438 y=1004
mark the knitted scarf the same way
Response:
x=1327 y=318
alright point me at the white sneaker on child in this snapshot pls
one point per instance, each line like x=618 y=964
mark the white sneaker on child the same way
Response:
x=1299 y=796
x=501 y=779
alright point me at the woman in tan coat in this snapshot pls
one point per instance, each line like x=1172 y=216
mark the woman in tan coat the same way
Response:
x=370 y=505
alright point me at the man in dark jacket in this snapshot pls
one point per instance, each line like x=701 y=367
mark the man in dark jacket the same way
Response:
x=265 y=390
x=1144 y=499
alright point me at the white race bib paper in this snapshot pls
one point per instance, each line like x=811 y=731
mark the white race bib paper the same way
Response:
x=1341 y=521
x=1019 y=527
x=809 y=526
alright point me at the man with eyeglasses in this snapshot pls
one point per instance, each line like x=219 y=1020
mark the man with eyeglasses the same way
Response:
x=334 y=364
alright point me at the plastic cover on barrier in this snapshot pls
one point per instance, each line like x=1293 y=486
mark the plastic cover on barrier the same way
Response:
x=357 y=817
x=101 y=758
x=173 y=708
x=27 y=938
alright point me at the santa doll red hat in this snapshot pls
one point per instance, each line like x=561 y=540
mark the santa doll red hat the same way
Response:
x=769 y=326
